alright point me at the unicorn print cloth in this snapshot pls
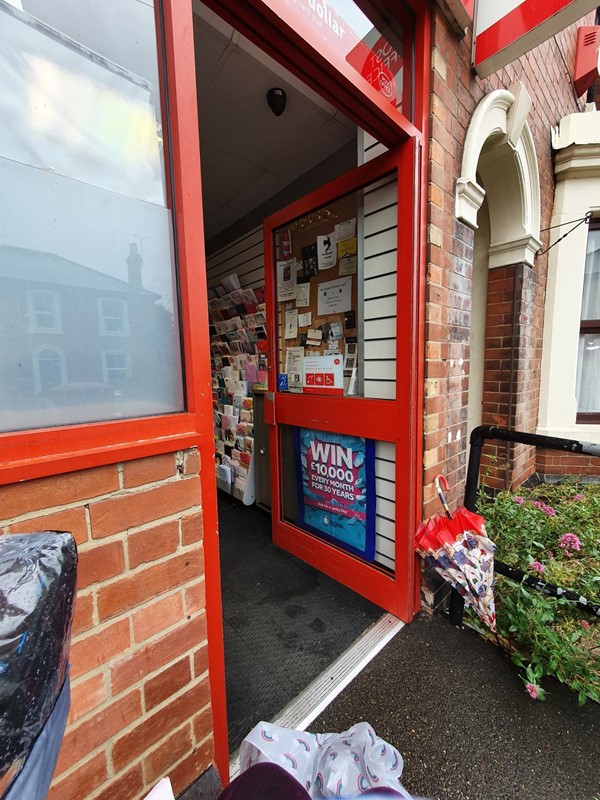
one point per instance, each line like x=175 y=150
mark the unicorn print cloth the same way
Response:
x=327 y=764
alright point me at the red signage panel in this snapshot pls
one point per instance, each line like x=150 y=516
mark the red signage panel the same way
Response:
x=506 y=29
x=342 y=32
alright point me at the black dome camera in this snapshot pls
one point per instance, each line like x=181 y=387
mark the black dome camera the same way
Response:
x=276 y=99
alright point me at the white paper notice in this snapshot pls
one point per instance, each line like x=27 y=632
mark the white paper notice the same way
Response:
x=335 y=296
x=293 y=359
x=291 y=324
x=314 y=336
x=345 y=230
x=326 y=251
x=286 y=280
x=303 y=295
x=304 y=320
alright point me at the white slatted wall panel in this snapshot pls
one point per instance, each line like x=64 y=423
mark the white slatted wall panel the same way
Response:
x=245 y=257
x=380 y=339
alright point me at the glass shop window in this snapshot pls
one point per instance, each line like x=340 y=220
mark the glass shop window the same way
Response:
x=588 y=358
x=86 y=242
x=337 y=296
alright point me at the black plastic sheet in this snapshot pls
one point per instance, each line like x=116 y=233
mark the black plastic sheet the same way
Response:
x=38 y=573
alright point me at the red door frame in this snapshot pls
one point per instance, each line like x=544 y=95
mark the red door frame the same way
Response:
x=323 y=78
x=39 y=453
x=355 y=416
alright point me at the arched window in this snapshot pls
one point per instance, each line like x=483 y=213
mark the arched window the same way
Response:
x=49 y=368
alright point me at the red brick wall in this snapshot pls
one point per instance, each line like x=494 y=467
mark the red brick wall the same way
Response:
x=513 y=356
x=552 y=462
x=139 y=669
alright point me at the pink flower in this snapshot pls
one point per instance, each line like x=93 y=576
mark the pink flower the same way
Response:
x=536 y=566
x=538 y=504
x=532 y=689
x=568 y=541
x=549 y=511
x=550 y=553
x=579 y=497
x=518 y=499
x=585 y=624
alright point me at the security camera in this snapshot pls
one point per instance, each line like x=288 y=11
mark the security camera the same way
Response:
x=276 y=99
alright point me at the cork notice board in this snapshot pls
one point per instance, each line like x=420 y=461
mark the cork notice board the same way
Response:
x=318 y=306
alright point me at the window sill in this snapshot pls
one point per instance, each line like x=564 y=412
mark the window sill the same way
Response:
x=31 y=454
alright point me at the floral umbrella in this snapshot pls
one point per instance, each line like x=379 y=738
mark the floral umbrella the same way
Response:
x=459 y=550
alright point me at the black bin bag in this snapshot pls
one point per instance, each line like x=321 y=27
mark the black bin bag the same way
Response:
x=38 y=573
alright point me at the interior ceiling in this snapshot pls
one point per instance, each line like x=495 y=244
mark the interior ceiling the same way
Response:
x=249 y=154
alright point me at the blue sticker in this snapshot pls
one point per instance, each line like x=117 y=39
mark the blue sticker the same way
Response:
x=282 y=382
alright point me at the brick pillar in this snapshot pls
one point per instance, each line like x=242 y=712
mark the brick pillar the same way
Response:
x=510 y=372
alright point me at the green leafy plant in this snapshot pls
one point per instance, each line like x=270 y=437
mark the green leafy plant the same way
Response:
x=551 y=532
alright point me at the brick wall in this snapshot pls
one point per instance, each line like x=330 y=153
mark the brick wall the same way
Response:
x=552 y=462
x=139 y=668
x=514 y=329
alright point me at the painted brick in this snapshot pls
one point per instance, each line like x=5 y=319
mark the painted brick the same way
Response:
x=153 y=543
x=191 y=462
x=68 y=489
x=200 y=661
x=132 y=510
x=191 y=529
x=203 y=724
x=157 y=617
x=167 y=683
x=99 y=648
x=128 y=592
x=162 y=758
x=87 y=695
x=99 y=563
x=72 y=520
x=184 y=774
x=81 y=739
x=195 y=597
x=148 y=470
x=83 y=617
x=158 y=725
x=126 y=786
x=153 y=656
x=438 y=63
x=82 y=781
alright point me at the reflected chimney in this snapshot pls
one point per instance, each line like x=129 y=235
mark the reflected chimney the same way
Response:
x=134 y=267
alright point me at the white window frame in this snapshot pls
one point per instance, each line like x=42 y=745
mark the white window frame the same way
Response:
x=106 y=369
x=102 y=316
x=577 y=168
x=34 y=325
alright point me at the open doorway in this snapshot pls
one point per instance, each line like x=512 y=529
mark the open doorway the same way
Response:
x=284 y=622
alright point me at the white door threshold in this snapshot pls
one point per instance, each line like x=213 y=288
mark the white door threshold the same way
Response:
x=305 y=708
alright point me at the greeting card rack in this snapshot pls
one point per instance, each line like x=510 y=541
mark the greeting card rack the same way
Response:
x=239 y=367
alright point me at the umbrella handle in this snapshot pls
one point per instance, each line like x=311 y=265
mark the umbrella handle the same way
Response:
x=442 y=479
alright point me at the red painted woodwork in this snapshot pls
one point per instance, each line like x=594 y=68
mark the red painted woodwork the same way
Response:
x=363 y=104
x=37 y=453
x=185 y=154
x=387 y=420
